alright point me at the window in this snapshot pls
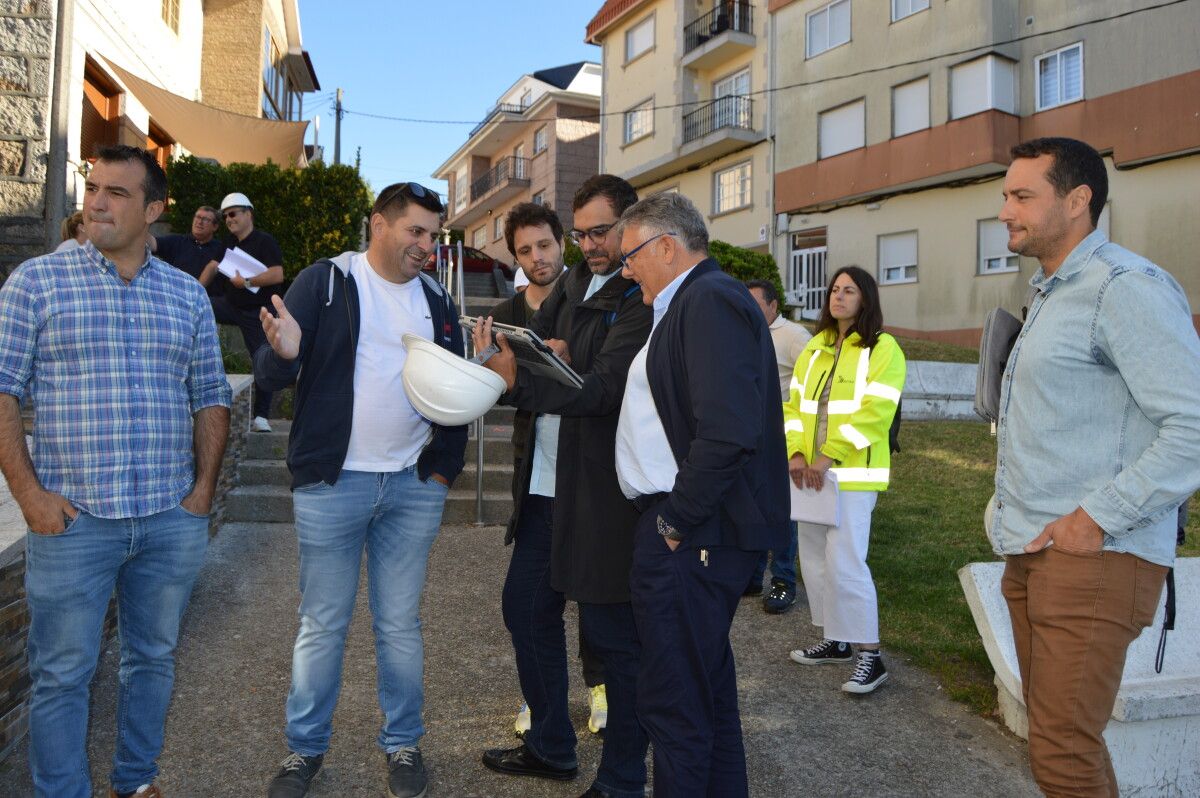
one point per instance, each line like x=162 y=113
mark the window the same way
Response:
x=498 y=228
x=906 y=8
x=983 y=84
x=526 y=99
x=539 y=140
x=898 y=258
x=539 y=198
x=910 y=107
x=519 y=161
x=731 y=188
x=828 y=27
x=1060 y=77
x=735 y=110
x=639 y=38
x=170 y=14
x=479 y=238
x=461 y=189
x=842 y=129
x=639 y=121
x=994 y=254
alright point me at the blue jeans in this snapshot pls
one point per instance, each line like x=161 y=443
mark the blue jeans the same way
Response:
x=783 y=564
x=533 y=615
x=152 y=563
x=396 y=517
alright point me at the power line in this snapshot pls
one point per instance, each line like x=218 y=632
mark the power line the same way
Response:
x=772 y=90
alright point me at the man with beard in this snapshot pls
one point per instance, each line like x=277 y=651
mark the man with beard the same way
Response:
x=1097 y=444
x=368 y=472
x=597 y=318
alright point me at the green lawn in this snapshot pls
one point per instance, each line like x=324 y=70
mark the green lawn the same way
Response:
x=921 y=349
x=927 y=526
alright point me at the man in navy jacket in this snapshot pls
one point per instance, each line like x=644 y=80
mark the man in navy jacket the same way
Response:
x=367 y=472
x=701 y=452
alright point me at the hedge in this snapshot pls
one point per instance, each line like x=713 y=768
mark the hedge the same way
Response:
x=745 y=265
x=313 y=213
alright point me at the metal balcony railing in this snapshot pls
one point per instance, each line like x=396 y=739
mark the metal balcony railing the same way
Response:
x=733 y=15
x=733 y=111
x=507 y=168
x=502 y=108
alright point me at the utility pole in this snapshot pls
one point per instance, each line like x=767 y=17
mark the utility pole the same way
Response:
x=337 y=130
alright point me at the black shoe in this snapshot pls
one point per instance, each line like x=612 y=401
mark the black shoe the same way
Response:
x=406 y=773
x=295 y=775
x=869 y=673
x=596 y=792
x=753 y=589
x=780 y=598
x=823 y=652
x=520 y=761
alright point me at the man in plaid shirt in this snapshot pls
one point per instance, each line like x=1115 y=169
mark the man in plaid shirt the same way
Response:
x=120 y=353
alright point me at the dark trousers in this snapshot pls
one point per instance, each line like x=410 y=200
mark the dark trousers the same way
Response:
x=783 y=563
x=533 y=614
x=684 y=602
x=252 y=335
x=611 y=634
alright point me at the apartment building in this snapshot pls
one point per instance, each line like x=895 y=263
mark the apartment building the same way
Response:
x=685 y=108
x=894 y=120
x=537 y=144
x=76 y=76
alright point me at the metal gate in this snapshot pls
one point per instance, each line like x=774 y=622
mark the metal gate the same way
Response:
x=806 y=280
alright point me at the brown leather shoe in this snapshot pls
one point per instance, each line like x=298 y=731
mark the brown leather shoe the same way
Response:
x=145 y=791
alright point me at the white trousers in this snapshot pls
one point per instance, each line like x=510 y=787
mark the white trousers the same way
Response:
x=833 y=564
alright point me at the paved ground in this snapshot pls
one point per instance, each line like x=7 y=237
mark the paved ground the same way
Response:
x=803 y=736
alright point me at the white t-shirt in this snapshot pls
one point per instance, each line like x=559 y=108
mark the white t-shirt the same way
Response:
x=387 y=434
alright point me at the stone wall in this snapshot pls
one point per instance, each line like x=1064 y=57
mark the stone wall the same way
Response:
x=26 y=56
x=231 y=66
x=14 y=614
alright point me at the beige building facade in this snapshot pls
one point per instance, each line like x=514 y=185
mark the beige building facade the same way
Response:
x=685 y=108
x=539 y=143
x=899 y=169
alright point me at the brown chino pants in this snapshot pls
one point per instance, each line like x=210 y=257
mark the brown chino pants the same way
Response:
x=1073 y=616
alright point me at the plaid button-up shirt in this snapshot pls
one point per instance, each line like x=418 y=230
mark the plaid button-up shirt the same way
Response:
x=116 y=371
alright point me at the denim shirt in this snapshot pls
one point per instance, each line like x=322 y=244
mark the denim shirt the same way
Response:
x=1100 y=405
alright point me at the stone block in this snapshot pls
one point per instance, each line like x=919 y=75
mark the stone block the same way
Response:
x=39 y=76
x=25 y=8
x=14 y=73
x=26 y=35
x=21 y=230
x=13 y=156
x=21 y=199
x=23 y=116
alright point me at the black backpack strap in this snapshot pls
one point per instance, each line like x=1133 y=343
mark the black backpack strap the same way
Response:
x=1168 y=622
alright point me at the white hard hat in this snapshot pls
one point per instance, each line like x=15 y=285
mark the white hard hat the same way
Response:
x=445 y=388
x=235 y=200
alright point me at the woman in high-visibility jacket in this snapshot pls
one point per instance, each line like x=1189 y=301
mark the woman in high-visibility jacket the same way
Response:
x=844 y=395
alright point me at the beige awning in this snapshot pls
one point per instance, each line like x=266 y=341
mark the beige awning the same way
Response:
x=212 y=133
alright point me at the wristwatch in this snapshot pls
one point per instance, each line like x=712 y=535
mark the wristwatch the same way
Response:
x=667 y=531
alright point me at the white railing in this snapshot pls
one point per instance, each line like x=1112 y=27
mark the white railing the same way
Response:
x=805 y=287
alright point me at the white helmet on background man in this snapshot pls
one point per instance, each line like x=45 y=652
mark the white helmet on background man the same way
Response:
x=236 y=200
x=445 y=388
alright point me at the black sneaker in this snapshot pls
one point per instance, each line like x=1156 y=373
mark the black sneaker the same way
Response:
x=780 y=598
x=823 y=652
x=869 y=673
x=295 y=775
x=406 y=773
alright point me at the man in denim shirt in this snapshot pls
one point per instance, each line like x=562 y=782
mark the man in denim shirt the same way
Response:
x=120 y=353
x=1098 y=440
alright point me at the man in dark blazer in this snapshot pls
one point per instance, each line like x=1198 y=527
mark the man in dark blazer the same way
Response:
x=701 y=452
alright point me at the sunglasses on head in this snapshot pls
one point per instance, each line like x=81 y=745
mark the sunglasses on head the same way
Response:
x=412 y=189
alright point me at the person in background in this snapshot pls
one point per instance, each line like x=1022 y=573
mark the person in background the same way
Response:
x=789 y=339
x=192 y=253
x=845 y=391
x=74 y=234
x=243 y=298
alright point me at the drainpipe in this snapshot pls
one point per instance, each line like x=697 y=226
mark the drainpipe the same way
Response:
x=56 y=166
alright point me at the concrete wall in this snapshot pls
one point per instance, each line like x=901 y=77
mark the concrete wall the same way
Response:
x=26 y=58
x=1151 y=211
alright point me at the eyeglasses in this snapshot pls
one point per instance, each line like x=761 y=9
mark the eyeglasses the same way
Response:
x=628 y=255
x=596 y=234
x=204 y=217
x=232 y=212
x=412 y=189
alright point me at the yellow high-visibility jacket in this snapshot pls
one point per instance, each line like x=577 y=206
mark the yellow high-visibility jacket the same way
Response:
x=862 y=403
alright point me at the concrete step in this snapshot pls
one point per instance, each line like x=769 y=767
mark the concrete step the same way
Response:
x=268 y=445
x=492 y=432
x=500 y=414
x=479 y=305
x=264 y=472
x=259 y=503
x=496 y=476
x=460 y=506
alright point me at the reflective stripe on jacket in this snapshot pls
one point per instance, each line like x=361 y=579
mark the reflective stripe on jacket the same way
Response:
x=862 y=402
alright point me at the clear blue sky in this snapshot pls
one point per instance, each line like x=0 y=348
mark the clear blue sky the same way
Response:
x=446 y=59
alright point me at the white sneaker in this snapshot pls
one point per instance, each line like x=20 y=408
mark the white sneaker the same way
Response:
x=524 y=720
x=598 y=704
x=260 y=424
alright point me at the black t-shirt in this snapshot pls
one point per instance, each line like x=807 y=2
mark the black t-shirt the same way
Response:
x=187 y=254
x=265 y=249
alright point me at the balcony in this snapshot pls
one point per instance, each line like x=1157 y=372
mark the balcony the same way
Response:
x=506 y=179
x=718 y=35
x=492 y=135
x=502 y=108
